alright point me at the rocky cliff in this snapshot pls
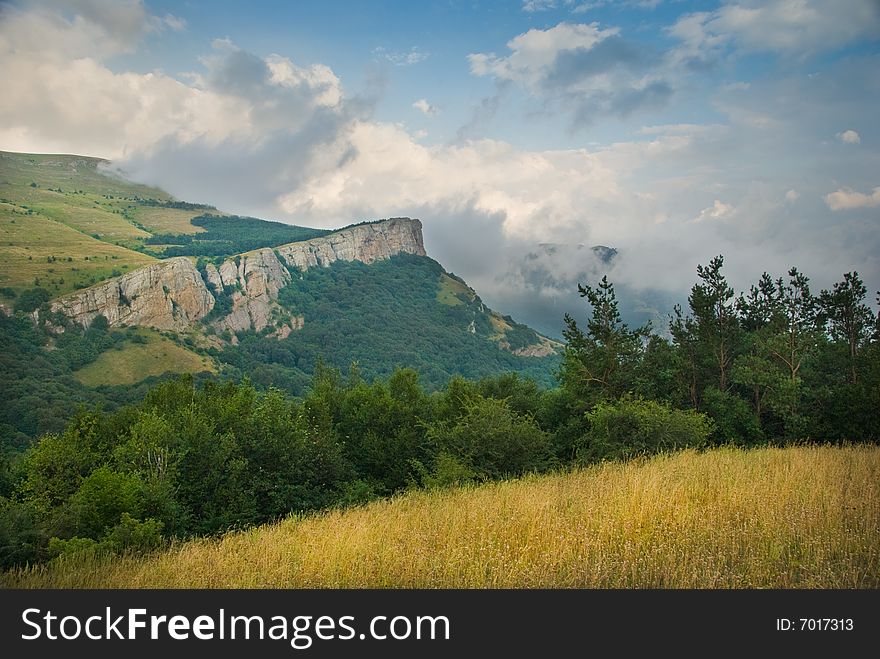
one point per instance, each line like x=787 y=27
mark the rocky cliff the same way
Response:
x=173 y=294
x=168 y=295
x=253 y=279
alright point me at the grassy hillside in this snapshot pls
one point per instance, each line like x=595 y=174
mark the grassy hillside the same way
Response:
x=780 y=518
x=37 y=251
x=69 y=221
x=150 y=354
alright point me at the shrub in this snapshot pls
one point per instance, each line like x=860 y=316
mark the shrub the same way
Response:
x=31 y=299
x=490 y=441
x=134 y=535
x=632 y=426
x=735 y=421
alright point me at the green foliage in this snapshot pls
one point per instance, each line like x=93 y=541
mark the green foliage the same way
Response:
x=424 y=402
x=31 y=300
x=734 y=419
x=489 y=441
x=380 y=316
x=230 y=234
x=631 y=427
x=101 y=499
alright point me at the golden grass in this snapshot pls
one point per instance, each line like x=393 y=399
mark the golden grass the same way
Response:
x=726 y=518
x=134 y=362
x=168 y=220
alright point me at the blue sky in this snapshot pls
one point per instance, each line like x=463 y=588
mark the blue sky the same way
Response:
x=670 y=130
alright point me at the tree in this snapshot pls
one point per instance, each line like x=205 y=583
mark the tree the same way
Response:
x=783 y=322
x=31 y=299
x=846 y=318
x=716 y=322
x=491 y=441
x=684 y=336
x=600 y=363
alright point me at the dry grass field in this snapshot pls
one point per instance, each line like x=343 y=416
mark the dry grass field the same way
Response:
x=804 y=517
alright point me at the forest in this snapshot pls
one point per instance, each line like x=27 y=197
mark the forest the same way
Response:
x=776 y=365
x=383 y=316
x=225 y=235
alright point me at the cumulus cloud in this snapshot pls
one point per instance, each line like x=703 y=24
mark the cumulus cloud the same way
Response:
x=175 y=23
x=426 y=108
x=850 y=137
x=716 y=211
x=792 y=27
x=532 y=6
x=268 y=136
x=582 y=65
x=846 y=199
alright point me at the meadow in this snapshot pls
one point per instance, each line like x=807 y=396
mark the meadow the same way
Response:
x=798 y=517
x=37 y=251
x=153 y=354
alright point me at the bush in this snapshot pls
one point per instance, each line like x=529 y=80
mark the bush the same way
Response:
x=489 y=441
x=735 y=421
x=133 y=535
x=631 y=427
x=74 y=546
x=31 y=299
x=448 y=471
x=102 y=498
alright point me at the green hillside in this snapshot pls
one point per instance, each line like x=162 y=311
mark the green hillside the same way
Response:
x=145 y=353
x=390 y=314
x=68 y=222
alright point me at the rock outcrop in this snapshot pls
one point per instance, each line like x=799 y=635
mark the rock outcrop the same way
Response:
x=364 y=242
x=253 y=279
x=168 y=295
x=172 y=294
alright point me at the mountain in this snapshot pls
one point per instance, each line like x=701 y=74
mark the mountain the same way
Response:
x=542 y=286
x=106 y=284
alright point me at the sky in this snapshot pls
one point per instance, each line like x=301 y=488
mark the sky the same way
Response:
x=520 y=133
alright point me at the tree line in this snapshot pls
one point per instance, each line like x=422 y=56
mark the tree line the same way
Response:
x=776 y=364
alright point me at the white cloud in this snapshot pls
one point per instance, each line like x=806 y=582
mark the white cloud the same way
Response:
x=676 y=129
x=581 y=68
x=426 y=108
x=532 y=6
x=534 y=53
x=792 y=196
x=60 y=96
x=174 y=22
x=850 y=137
x=584 y=7
x=401 y=58
x=716 y=211
x=274 y=138
x=846 y=199
x=793 y=27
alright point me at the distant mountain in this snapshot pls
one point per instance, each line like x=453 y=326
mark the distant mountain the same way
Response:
x=543 y=287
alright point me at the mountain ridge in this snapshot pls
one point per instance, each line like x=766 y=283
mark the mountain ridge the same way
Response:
x=173 y=294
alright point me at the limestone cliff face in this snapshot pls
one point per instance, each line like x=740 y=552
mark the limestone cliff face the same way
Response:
x=169 y=295
x=253 y=279
x=253 y=283
x=172 y=295
x=364 y=242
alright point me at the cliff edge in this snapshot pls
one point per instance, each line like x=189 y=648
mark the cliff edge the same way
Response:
x=173 y=294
